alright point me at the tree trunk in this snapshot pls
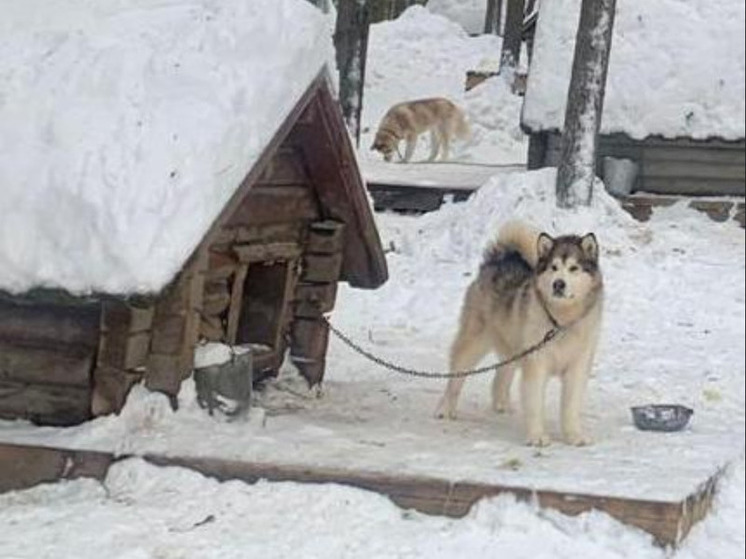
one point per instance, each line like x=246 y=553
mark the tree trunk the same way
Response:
x=585 y=101
x=511 y=50
x=351 y=42
x=493 y=17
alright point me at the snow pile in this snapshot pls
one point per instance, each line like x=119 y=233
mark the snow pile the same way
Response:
x=144 y=511
x=423 y=55
x=470 y=14
x=459 y=232
x=676 y=68
x=126 y=127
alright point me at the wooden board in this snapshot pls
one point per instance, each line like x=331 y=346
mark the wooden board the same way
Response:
x=65 y=366
x=25 y=466
x=49 y=325
x=285 y=168
x=668 y=522
x=45 y=404
x=275 y=204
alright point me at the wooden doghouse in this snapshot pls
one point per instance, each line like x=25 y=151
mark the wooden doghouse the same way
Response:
x=299 y=223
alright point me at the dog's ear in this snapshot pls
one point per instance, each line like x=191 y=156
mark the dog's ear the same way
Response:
x=544 y=246
x=589 y=244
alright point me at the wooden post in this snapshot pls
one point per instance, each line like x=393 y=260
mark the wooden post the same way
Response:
x=585 y=101
x=493 y=17
x=511 y=50
x=351 y=42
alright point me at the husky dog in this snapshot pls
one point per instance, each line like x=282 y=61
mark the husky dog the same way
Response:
x=406 y=121
x=528 y=283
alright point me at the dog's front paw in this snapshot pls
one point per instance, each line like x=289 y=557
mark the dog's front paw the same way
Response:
x=445 y=410
x=538 y=439
x=577 y=438
x=503 y=408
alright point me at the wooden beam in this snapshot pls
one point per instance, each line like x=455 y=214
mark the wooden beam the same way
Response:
x=46 y=404
x=266 y=252
x=23 y=466
x=275 y=204
x=331 y=162
x=234 y=311
x=669 y=522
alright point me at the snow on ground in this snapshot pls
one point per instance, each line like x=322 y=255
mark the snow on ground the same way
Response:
x=126 y=126
x=424 y=55
x=676 y=68
x=673 y=331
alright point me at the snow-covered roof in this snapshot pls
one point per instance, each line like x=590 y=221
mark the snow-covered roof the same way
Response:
x=676 y=68
x=125 y=126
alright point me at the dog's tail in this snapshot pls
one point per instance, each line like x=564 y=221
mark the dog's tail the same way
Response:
x=515 y=236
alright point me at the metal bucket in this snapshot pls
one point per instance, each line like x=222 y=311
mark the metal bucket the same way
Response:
x=620 y=175
x=226 y=387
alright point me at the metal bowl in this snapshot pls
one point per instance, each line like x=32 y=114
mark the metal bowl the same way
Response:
x=661 y=417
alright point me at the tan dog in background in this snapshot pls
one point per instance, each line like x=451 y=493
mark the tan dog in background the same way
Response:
x=406 y=121
x=527 y=282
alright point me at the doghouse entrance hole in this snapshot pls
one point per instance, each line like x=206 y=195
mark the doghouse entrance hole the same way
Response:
x=262 y=304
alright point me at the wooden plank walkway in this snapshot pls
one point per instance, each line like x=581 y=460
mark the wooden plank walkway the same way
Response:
x=424 y=187
x=23 y=466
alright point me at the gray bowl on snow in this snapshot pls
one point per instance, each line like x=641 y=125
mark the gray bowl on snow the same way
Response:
x=661 y=417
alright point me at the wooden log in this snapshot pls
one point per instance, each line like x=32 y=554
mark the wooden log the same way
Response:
x=217 y=298
x=212 y=329
x=308 y=343
x=321 y=268
x=168 y=333
x=325 y=237
x=275 y=204
x=49 y=324
x=234 y=312
x=221 y=266
x=125 y=335
x=110 y=389
x=290 y=232
x=24 y=466
x=310 y=299
x=196 y=287
x=266 y=252
x=176 y=329
x=57 y=365
x=164 y=374
x=44 y=404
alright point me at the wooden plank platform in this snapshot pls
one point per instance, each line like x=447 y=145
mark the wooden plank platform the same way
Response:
x=23 y=466
x=424 y=187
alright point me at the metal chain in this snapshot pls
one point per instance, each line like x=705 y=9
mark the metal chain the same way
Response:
x=548 y=337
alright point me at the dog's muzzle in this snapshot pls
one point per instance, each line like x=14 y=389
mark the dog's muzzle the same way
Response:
x=558 y=287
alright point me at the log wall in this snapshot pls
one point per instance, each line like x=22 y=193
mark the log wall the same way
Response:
x=47 y=355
